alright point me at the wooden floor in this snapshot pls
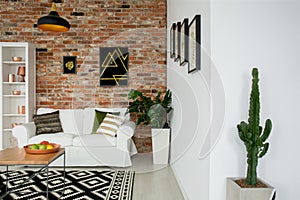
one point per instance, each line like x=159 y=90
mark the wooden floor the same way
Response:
x=153 y=182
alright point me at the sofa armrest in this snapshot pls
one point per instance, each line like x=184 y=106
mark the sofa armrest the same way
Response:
x=124 y=135
x=127 y=129
x=24 y=132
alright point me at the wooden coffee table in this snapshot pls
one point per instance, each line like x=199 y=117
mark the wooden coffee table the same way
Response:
x=18 y=156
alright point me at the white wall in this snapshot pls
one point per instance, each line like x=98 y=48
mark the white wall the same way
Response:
x=192 y=106
x=264 y=34
x=239 y=34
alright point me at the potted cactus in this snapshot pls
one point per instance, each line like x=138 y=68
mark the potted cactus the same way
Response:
x=255 y=138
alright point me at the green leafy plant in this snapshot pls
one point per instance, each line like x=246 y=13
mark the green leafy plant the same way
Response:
x=252 y=134
x=141 y=104
x=158 y=116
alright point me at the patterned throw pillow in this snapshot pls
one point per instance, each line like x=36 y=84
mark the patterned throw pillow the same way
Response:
x=110 y=125
x=99 y=116
x=47 y=123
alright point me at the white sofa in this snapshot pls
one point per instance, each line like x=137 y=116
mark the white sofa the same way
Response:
x=83 y=148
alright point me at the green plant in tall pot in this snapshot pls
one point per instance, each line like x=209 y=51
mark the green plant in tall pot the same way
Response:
x=158 y=116
x=141 y=104
x=154 y=112
x=255 y=138
x=252 y=134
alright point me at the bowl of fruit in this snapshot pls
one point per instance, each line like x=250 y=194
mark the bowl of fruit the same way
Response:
x=42 y=148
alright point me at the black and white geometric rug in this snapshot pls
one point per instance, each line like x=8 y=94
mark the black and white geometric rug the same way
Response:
x=79 y=185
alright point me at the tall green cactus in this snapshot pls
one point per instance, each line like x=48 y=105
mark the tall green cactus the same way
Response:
x=252 y=134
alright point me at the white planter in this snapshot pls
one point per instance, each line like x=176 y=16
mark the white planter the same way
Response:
x=160 y=145
x=235 y=192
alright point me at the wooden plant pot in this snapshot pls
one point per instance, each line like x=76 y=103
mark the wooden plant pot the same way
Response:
x=235 y=192
x=160 y=145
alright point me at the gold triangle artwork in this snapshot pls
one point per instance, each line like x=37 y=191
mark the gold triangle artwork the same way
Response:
x=113 y=66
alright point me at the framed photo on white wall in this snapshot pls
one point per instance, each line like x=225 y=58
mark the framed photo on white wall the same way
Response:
x=172 y=40
x=177 y=42
x=184 y=34
x=194 y=44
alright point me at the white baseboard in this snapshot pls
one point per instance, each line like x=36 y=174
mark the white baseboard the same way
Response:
x=185 y=196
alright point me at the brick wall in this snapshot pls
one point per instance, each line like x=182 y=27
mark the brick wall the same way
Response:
x=139 y=25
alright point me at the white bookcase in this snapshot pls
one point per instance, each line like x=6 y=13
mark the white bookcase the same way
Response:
x=9 y=112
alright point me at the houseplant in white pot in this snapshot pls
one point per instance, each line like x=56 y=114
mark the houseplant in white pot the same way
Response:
x=160 y=134
x=154 y=112
x=141 y=104
x=255 y=138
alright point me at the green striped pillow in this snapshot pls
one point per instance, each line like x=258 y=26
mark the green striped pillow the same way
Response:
x=99 y=116
x=110 y=125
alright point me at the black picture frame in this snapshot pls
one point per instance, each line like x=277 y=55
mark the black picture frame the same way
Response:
x=172 y=40
x=177 y=42
x=113 y=66
x=69 y=64
x=184 y=30
x=194 y=44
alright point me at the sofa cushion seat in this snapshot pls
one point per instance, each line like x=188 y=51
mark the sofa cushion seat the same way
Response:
x=94 y=140
x=64 y=139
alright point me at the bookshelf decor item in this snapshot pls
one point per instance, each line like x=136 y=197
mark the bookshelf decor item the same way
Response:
x=22 y=72
x=11 y=78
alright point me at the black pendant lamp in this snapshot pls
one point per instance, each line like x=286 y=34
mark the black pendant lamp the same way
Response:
x=53 y=22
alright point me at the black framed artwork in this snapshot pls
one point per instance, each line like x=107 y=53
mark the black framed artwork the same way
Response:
x=69 y=64
x=113 y=66
x=194 y=45
x=177 y=42
x=184 y=30
x=172 y=40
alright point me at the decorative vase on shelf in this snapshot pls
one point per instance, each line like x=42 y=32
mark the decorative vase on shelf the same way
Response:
x=21 y=72
x=21 y=109
x=11 y=78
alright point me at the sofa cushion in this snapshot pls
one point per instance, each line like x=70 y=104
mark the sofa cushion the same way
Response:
x=122 y=111
x=47 y=123
x=99 y=117
x=110 y=125
x=64 y=139
x=89 y=116
x=94 y=140
x=71 y=119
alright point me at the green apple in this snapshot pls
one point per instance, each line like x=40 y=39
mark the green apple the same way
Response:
x=34 y=146
x=42 y=147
